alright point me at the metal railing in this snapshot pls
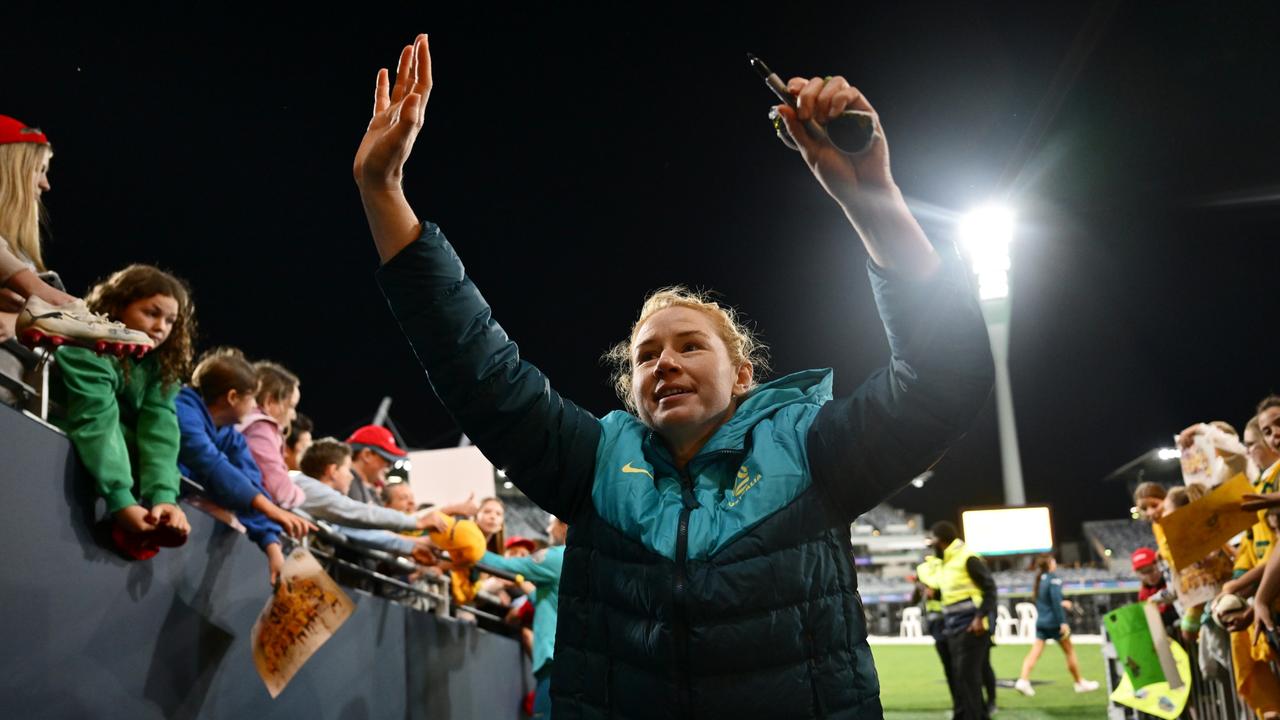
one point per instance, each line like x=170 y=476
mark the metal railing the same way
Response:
x=427 y=592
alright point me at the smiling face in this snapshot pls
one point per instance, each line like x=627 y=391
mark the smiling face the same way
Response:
x=683 y=383
x=1258 y=450
x=1269 y=425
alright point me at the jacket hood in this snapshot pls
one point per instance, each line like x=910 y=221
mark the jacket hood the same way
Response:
x=807 y=387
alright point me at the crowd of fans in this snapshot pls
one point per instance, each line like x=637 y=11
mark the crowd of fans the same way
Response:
x=143 y=412
x=1221 y=607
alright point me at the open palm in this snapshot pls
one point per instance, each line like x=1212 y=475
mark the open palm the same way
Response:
x=398 y=112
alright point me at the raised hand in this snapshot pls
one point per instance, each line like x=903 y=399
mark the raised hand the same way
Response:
x=843 y=176
x=398 y=112
x=293 y=525
x=861 y=183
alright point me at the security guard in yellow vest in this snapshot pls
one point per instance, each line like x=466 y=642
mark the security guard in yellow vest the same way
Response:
x=968 y=604
x=929 y=590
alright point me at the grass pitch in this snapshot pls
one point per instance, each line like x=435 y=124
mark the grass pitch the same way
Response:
x=912 y=686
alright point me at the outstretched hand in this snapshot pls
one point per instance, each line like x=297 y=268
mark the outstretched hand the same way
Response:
x=1251 y=502
x=845 y=177
x=398 y=112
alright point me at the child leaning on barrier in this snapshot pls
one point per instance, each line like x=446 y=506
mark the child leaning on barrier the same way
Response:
x=325 y=479
x=217 y=457
x=265 y=426
x=120 y=411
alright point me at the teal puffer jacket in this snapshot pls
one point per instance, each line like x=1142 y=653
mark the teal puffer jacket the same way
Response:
x=726 y=589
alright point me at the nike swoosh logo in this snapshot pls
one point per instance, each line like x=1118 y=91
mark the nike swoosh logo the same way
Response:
x=628 y=469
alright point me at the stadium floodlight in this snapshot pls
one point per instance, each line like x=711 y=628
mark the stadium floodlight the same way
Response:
x=1168 y=454
x=986 y=234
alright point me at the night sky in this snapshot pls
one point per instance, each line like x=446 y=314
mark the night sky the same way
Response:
x=578 y=159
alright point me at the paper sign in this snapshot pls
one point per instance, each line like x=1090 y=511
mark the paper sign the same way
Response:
x=1158 y=699
x=1212 y=457
x=306 y=609
x=1160 y=641
x=1195 y=530
x=1135 y=648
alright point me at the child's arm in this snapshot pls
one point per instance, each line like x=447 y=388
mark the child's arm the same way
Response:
x=93 y=424
x=544 y=571
x=237 y=451
x=158 y=437
x=324 y=503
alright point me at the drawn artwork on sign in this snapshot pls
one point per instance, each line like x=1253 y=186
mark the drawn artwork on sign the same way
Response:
x=305 y=610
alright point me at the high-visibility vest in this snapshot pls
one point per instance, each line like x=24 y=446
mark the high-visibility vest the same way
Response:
x=957 y=586
x=929 y=573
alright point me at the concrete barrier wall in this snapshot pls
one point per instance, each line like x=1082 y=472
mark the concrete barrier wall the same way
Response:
x=86 y=633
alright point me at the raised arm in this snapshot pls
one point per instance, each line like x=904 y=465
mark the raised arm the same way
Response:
x=865 y=447
x=506 y=406
x=861 y=184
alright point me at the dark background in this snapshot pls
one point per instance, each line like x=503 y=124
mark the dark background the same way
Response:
x=577 y=159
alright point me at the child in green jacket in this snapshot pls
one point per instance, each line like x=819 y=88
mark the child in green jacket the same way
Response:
x=120 y=411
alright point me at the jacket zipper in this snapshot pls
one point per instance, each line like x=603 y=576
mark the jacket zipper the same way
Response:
x=689 y=503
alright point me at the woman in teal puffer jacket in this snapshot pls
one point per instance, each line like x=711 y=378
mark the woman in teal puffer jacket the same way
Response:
x=708 y=570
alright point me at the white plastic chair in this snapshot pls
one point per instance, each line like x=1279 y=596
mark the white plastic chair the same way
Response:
x=1026 y=619
x=910 y=626
x=1006 y=625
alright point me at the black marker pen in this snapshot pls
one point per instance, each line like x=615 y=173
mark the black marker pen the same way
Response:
x=852 y=131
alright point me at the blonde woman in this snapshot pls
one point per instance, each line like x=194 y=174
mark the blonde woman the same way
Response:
x=708 y=570
x=47 y=313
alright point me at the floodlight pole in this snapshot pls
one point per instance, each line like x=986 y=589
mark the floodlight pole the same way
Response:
x=996 y=313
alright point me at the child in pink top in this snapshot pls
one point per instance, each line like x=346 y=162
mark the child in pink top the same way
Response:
x=264 y=429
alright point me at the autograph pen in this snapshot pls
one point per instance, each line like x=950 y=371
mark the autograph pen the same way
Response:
x=852 y=131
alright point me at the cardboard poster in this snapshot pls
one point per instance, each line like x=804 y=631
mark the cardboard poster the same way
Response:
x=1135 y=648
x=1195 y=530
x=1158 y=699
x=305 y=610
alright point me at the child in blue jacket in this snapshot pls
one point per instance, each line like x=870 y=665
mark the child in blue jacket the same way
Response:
x=215 y=455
